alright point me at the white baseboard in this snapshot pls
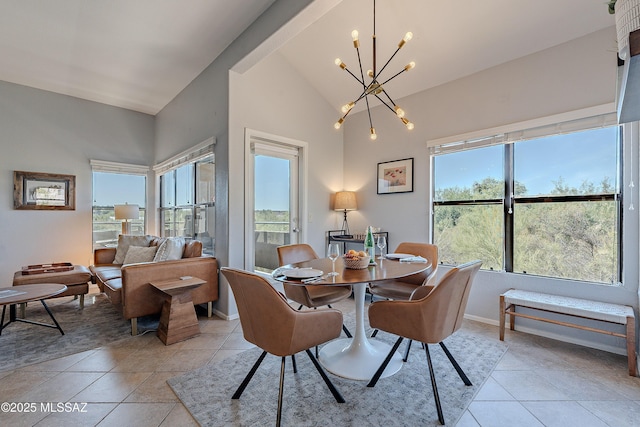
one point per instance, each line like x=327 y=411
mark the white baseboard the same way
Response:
x=546 y=334
x=224 y=316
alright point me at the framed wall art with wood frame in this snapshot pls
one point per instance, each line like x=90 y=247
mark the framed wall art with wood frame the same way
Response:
x=395 y=176
x=43 y=191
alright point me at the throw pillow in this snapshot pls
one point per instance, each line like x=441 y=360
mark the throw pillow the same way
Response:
x=125 y=241
x=170 y=249
x=137 y=254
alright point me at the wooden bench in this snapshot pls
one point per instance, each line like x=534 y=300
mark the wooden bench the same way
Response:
x=576 y=307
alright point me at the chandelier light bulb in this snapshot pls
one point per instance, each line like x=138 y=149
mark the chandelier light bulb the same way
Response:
x=405 y=39
x=407 y=123
x=338 y=123
x=370 y=73
x=340 y=64
x=347 y=107
x=399 y=112
x=354 y=36
x=409 y=66
x=373 y=135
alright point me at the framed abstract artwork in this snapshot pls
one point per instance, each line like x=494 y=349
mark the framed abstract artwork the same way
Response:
x=395 y=176
x=43 y=191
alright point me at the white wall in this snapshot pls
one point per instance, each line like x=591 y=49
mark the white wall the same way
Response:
x=273 y=98
x=201 y=111
x=46 y=132
x=576 y=75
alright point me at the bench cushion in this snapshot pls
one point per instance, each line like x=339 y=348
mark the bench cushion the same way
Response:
x=616 y=313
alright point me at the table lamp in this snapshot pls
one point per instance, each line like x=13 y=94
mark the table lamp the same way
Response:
x=126 y=213
x=345 y=201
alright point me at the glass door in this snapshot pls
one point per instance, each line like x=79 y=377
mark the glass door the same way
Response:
x=274 y=202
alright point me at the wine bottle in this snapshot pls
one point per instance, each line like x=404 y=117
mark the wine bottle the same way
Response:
x=368 y=246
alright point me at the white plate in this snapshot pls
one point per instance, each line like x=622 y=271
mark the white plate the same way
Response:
x=302 y=273
x=399 y=256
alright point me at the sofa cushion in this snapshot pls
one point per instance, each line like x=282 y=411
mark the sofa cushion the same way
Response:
x=137 y=254
x=170 y=248
x=125 y=241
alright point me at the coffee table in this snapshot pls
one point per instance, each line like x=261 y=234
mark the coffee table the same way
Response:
x=178 y=320
x=10 y=296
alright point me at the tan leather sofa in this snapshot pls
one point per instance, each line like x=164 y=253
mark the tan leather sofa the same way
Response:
x=129 y=286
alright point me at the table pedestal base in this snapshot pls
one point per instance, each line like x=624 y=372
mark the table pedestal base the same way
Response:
x=358 y=360
x=178 y=320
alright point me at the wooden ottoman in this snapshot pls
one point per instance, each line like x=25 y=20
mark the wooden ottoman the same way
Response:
x=75 y=279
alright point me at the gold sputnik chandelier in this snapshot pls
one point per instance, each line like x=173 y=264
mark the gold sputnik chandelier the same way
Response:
x=375 y=87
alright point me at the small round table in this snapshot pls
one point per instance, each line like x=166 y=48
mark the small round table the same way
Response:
x=13 y=295
x=359 y=357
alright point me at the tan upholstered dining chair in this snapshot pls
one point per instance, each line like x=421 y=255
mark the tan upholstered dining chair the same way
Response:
x=312 y=296
x=401 y=289
x=269 y=322
x=429 y=318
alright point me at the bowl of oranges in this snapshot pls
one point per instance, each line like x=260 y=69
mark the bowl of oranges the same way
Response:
x=356 y=260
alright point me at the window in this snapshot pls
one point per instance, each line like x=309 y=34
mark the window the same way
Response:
x=546 y=205
x=187 y=196
x=115 y=184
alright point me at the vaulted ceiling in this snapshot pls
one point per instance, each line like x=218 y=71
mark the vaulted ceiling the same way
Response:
x=140 y=54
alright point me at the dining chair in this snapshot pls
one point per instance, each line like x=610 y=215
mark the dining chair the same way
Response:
x=401 y=289
x=312 y=296
x=269 y=322
x=429 y=317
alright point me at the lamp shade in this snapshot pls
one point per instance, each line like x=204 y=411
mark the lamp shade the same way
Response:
x=345 y=201
x=127 y=211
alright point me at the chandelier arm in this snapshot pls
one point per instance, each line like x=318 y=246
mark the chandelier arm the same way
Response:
x=354 y=76
x=390 y=100
x=386 y=63
x=369 y=112
x=364 y=86
x=394 y=76
x=385 y=103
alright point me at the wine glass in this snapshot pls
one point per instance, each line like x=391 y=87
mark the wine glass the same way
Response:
x=381 y=243
x=333 y=253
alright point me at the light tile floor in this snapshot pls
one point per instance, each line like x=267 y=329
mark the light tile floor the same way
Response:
x=539 y=382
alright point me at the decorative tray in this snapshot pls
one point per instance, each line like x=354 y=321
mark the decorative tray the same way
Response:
x=55 y=267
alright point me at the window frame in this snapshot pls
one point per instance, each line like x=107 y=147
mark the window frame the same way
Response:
x=101 y=166
x=509 y=201
x=201 y=153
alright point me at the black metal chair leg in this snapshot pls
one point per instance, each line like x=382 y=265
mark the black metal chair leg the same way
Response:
x=386 y=361
x=334 y=390
x=280 y=390
x=293 y=361
x=246 y=380
x=406 y=351
x=459 y=370
x=436 y=396
x=346 y=331
x=4 y=308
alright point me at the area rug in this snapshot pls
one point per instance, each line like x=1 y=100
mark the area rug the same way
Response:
x=403 y=399
x=98 y=324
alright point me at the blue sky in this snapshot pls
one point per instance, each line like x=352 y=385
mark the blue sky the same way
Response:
x=272 y=183
x=538 y=162
x=116 y=189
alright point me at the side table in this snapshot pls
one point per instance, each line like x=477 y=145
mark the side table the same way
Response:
x=178 y=320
